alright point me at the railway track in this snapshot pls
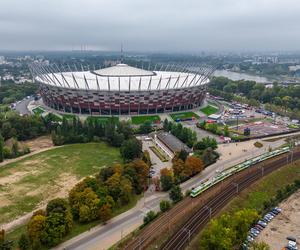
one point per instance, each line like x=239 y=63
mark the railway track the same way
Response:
x=213 y=203
x=199 y=219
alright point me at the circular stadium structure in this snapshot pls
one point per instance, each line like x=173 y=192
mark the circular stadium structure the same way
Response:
x=122 y=89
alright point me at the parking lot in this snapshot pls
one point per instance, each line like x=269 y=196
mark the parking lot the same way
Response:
x=262 y=128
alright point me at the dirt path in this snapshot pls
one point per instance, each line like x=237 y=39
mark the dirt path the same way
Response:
x=285 y=224
x=37 y=145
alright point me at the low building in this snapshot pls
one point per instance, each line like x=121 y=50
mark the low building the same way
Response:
x=172 y=142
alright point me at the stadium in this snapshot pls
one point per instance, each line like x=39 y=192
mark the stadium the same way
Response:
x=122 y=89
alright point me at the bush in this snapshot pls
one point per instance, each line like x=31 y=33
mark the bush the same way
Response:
x=150 y=216
x=164 y=205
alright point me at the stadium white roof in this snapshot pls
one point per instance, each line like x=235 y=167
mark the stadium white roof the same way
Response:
x=122 y=78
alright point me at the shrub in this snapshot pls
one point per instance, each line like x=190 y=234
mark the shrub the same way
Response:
x=164 y=205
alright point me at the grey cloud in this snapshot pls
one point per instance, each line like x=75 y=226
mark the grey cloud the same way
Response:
x=157 y=25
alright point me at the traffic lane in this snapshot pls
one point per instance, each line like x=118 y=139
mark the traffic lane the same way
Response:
x=22 y=106
x=108 y=230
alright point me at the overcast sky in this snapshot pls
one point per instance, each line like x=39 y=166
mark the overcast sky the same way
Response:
x=156 y=25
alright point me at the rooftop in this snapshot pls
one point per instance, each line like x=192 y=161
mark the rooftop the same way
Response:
x=121 y=70
x=172 y=142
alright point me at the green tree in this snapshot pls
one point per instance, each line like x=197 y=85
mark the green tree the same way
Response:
x=5 y=244
x=84 y=203
x=150 y=216
x=55 y=229
x=164 y=205
x=218 y=235
x=35 y=228
x=131 y=149
x=166 y=179
x=146 y=127
x=176 y=194
x=24 y=243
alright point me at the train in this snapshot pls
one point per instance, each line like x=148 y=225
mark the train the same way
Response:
x=235 y=169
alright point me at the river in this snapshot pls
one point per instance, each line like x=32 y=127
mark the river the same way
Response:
x=240 y=76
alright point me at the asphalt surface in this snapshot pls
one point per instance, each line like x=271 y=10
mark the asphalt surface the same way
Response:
x=22 y=106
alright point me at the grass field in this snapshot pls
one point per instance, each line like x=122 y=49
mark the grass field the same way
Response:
x=183 y=115
x=38 y=111
x=102 y=119
x=209 y=110
x=259 y=192
x=29 y=183
x=137 y=120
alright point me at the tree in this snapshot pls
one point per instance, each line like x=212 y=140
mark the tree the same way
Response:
x=150 y=216
x=138 y=172
x=35 y=228
x=206 y=142
x=180 y=172
x=164 y=205
x=241 y=221
x=194 y=164
x=24 y=243
x=60 y=205
x=105 y=212
x=131 y=149
x=176 y=194
x=146 y=127
x=166 y=179
x=5 y=244
x=55 y=229
x=166 y=125
x=84 y=203
x=218 y=235
x=1 y=148
x=226 y=130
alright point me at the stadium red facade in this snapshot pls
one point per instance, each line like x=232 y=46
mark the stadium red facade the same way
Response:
x=156 y=94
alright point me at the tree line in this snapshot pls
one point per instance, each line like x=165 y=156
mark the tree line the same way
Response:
x=282 y=99
x=186 y=135
x=12 y=92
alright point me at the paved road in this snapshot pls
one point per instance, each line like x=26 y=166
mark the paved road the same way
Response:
x=104 y=236
x=22 y=106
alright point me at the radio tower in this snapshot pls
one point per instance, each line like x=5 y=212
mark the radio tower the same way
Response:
x=122 y=55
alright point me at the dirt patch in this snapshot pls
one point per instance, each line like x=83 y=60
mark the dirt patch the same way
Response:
x=285 y=224
x=39 y=143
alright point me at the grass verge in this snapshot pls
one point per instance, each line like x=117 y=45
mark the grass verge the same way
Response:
x=38 y=111
x=102 y=119
x=137 y=120
x=209 y=110
x=184 y=116
x=159 y=154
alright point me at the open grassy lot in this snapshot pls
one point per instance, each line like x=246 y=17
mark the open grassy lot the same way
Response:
x=137 y=120
x=38 y=111
x=183 y=115
x=102 y=119
x=259 y=192
x=29 y=183
x=209 y=110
